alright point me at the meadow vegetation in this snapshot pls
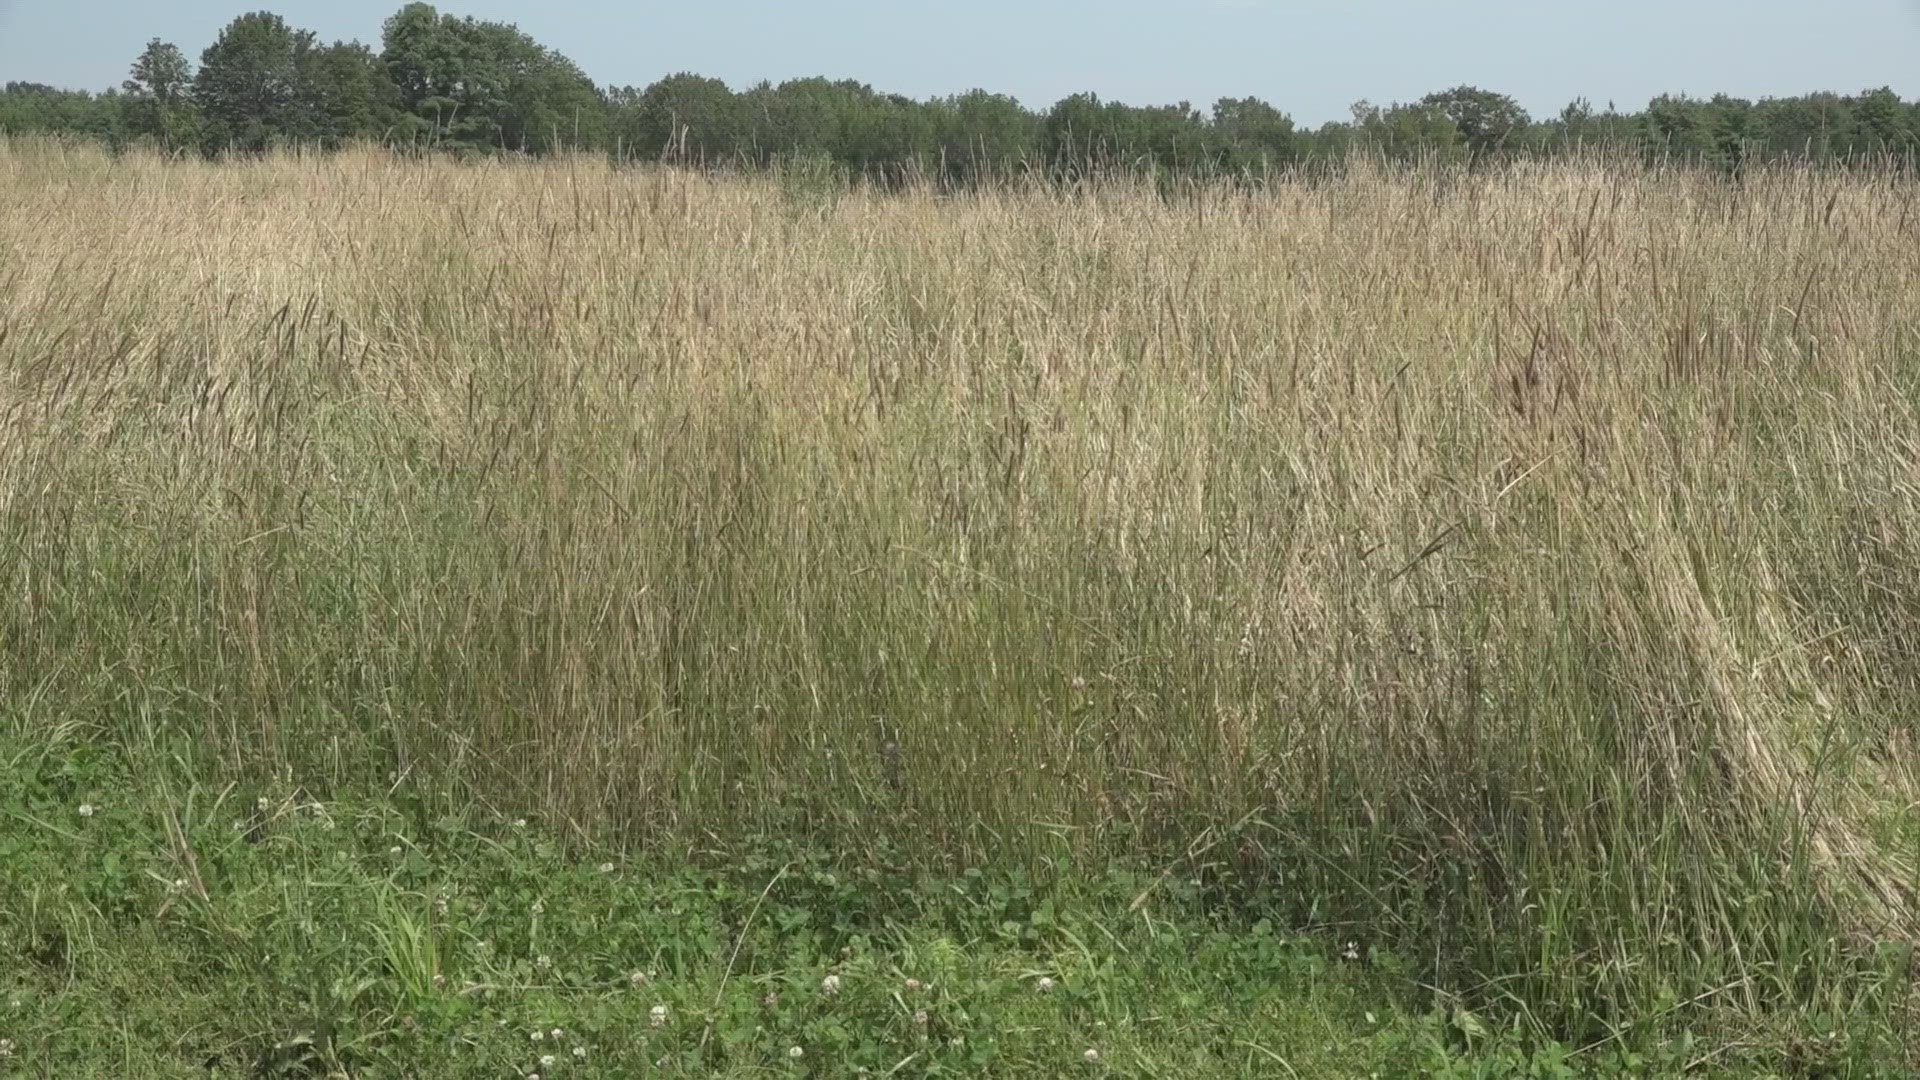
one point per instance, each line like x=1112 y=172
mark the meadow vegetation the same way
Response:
x=1469 y=610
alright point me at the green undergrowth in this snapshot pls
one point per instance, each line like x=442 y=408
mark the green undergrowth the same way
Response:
x=151 y=925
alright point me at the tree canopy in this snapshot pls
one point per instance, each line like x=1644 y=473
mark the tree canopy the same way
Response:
x=160 y=84
x=477 y=85
x=250 y=84
x=474 y=86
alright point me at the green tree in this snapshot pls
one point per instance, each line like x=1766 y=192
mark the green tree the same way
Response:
x=478 y=84
x=802 y=115
x=1485 y=120
x=1168 y=137
x=1580 y=124
x=250 y=84
x=1731 y=128
x=158 y=87
x=1880 y=122
x=346 y=93
x=1574 y=126
x=447 y=92
x=686 y=116
x=1080 y=134
x=978 y=134
x=1251 y=136
x=548 y=102
x=1334 y=139
x=1678 y=124
x=1406 y=131
x=35 y=108
x=886 y=135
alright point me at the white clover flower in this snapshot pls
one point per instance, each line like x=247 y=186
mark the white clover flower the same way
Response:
x=539 y=907
x=261 y=804
x=543 y=962
x=86 y=809
x=396 y=851
x=179 y=884
x=637 y=978
x=920 y=1017
x=533 y=1076
x=440 y=905
x=548 y=1061
x=770 y=1000
x=796 y=1053
x=606 y=868
x=1045 y=985
x=913 y=986
x=6 y=1049
x=519 y=823
x=557 y=1034
x=1352 y=951
x=1077 y=683
x=536 y=1035
x=658 y=1015
x=580 y=1052
x=1091 y=1055
x=830 y=985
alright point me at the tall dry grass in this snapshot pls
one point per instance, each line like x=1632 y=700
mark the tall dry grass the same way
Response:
x=1519 y=568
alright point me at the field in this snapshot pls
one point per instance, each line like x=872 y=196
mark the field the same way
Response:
x=1388 y=621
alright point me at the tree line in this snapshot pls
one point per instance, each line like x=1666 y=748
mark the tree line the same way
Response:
x=473 y=86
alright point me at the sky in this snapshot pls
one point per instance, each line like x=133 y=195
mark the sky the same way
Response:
x=1311 y=59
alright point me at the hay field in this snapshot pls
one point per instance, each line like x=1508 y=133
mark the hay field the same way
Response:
x=1520 y=570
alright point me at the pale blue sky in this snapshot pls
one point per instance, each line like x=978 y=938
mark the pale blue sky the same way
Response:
x=1312 y=59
